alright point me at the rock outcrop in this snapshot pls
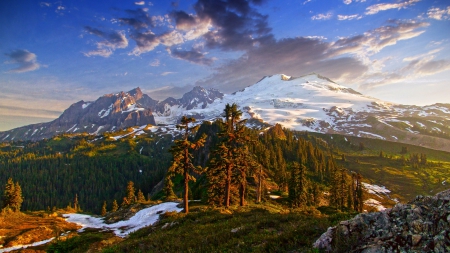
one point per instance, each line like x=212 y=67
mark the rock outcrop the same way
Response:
x=422 y=225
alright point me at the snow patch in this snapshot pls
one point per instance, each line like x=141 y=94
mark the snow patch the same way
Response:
x=143 y=218
x=26 y=245
x=85 y=105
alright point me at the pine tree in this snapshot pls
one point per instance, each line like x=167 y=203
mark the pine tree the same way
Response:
x=17 y=198
x=75 y=203
x=104 y=208
x=115 y=206
x=182 y=158
x=140 y=196
x=130 y=192
x=298 y=185
x=8 y=194
x=226 y=156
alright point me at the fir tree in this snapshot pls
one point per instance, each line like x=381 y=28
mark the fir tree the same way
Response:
x=130 y=192
x=75 y=203
x=104 y=208
x=8 y=194
x=140 y=196
x=115 y=206
x=182 y=158
x=298 y=185
x=17 y=198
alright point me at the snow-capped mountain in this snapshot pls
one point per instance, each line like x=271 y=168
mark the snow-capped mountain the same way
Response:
x=309 y=103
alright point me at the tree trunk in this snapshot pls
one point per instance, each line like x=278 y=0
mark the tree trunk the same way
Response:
x=228 y=186
x=259 y=192
x=186 y=189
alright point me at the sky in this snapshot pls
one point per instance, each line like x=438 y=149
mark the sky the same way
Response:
x=55 y=53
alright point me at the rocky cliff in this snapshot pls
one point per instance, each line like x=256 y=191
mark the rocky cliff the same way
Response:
x=422 y=225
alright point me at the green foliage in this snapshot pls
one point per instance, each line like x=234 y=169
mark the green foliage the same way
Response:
x=77 y=243
x=249 y=229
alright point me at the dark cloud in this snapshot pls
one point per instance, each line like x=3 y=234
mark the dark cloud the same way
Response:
x=183 y=21
x=112 y=41
x=236 y=24
x=145 y=42
x=26 y=60
x=138 y=19
x=193 y=56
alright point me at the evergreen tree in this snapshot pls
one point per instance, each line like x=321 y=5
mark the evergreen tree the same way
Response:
x=17 y=198
x=140 y=196
x=8 y=194
x=130 y=192
x=115 y=206
x=226 y=156
x=182 y=158
x=298 y=185
x=12 y=195
x=75 y=203
x=104 y=208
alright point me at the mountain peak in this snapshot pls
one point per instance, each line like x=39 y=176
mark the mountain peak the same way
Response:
x=136 y=93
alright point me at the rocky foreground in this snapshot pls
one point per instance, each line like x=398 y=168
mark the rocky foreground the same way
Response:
x=422 y=225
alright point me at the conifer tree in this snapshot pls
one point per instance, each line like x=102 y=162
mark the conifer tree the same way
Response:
x=130 y=192
x=8 y=194
x=225 y=157
x=115 y=206
x=182 y=158
x=104 y=208
x=298 y=185
x=17 y=197
x=140 y=196
x=75 y=203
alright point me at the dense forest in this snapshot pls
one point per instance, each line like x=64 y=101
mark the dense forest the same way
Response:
x=222 y=162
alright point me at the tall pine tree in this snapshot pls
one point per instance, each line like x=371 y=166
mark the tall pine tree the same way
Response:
x=182 y=158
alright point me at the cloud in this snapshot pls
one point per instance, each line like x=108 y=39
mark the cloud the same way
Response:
x=112 y=41
x=193 y=56
x=349 y=17
x=138 y=19
x=347 y=1
x=155 y=63
x=145 y=42
x=167 y=73
x=322 y=16
x=374 y=9
x=293 y=56
x=139 y=3
x=235 y=25
x=439 y=14
x=171 y=38
x=373 y=41
x=344 y=60
x=42 y=4
x=26 y=60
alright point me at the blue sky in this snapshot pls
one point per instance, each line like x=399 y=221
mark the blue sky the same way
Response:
x=55 y=53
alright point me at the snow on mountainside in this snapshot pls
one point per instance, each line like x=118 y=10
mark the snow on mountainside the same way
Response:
x=307 y=103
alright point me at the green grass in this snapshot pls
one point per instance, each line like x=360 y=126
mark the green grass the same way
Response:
x=258 y=228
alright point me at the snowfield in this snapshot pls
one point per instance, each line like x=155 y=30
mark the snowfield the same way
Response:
x=143 y=218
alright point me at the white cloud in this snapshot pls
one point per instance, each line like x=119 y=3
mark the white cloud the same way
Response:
x=347 y=1
x=349 y=17
x=155 y=63
x=322 y=16
x=374 y=9
x=167 y=73
x=439 y=14
x=99 y=52
x=139 y=3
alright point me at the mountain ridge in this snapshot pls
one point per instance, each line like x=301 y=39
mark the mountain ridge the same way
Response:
x=307 y=103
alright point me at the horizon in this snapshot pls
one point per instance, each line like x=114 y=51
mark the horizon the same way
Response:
x=66 y=51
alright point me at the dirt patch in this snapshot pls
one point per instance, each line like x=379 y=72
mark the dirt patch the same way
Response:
x=27 y=228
